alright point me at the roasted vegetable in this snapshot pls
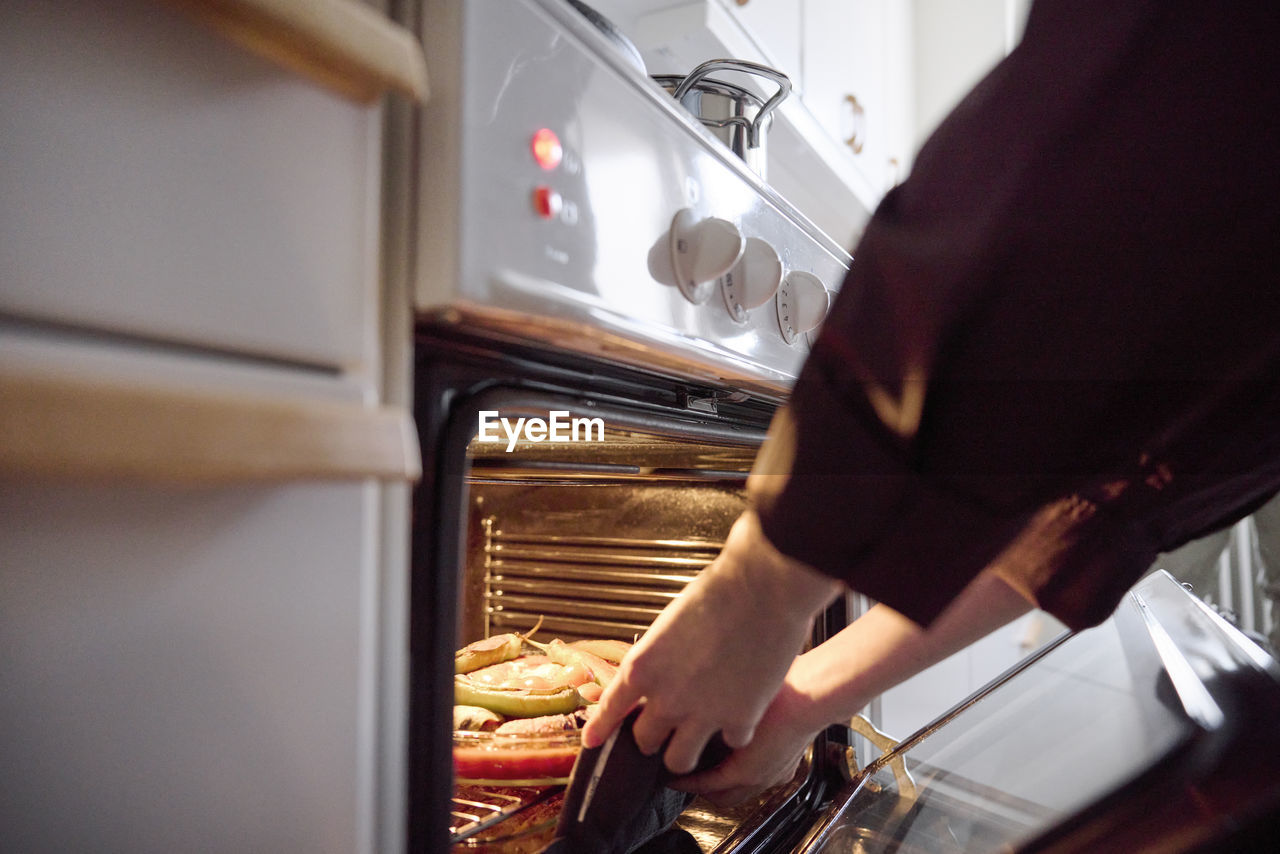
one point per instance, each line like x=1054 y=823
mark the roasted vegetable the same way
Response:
x=611 y=651
x=516 y=703
x=482 y=653
x=541 y=725
x=602 y=672
x=492 y=650
x=475 y=718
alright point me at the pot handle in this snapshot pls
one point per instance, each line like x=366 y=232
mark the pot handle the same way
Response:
x=742 y=65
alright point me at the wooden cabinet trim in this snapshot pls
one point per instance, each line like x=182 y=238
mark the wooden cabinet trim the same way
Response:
x=341 y=44
x=61 y=428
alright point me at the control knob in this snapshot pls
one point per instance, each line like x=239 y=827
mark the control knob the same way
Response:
x=701 y=252
x=753 y=280
x=802 y=303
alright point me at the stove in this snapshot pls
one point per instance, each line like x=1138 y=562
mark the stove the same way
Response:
x=567 y=199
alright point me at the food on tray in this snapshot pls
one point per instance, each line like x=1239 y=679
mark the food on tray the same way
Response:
x=475 y=719
x=544 y=725
x=610 y=650
x=515 y=758
x=602 y=671
x=516 y=702
x=531 y=671
x=491 y=650
x=520 y=705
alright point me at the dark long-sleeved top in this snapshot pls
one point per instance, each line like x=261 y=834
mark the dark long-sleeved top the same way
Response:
x=1057 y=351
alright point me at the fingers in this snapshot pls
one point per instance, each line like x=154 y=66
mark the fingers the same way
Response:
x=616 y=703
x=686 y=747
x=720 y=786
x=738 y=736
x=739 y=777
x=651 y=730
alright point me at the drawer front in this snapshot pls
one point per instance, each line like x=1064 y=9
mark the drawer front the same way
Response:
x=160 y=181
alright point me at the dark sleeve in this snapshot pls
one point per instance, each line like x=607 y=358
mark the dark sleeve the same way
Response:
x=1079 y=276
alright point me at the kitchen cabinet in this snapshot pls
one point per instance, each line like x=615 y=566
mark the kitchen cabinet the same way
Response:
x=162 y=182
x=954 y=46
x=856 y=76
x=205 y=448
x=777 y=31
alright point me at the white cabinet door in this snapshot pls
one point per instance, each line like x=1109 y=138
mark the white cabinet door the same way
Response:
x=161 y=182
x=187 y=669
x=956 y=44
x=854 y=57
x=775 y=27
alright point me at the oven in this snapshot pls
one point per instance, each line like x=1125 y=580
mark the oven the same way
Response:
x=590 y=260
x=609 y=307
x=585 y=540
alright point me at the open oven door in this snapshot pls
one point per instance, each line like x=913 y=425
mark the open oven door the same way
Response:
x=1155 y=731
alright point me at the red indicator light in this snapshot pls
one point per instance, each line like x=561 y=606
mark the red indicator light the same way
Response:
x=546 y=202
x=547 y=150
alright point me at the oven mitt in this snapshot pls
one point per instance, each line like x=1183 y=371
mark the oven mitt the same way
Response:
x=617 y=800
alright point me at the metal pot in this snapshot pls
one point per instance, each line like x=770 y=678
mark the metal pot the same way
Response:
x=624 y=45
x=734 y=114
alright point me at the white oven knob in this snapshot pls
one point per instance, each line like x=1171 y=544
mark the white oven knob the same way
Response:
x=802 y=303
x=753 y=280
x=701 y=252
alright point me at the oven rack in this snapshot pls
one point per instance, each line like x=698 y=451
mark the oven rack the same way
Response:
x=476 y=816
x=584 y=585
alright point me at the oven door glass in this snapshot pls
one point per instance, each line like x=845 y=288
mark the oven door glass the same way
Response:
x=1103 y=741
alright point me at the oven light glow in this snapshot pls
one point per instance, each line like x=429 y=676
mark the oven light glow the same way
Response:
x=547 y=150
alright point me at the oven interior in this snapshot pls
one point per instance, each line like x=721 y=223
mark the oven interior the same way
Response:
x=591 y=540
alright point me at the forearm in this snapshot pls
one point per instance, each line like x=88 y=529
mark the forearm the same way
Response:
x=883 y=648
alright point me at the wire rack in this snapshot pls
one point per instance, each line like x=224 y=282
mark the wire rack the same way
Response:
x=471 y=815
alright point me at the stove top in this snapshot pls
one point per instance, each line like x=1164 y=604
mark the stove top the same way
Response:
x=565 y=199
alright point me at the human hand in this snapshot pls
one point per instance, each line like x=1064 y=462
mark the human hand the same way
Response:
x=715 y=657
x=783 y=734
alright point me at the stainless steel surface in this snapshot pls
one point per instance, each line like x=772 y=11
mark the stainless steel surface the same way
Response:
x=624 y=45
x=591 y=277
x=736 y=115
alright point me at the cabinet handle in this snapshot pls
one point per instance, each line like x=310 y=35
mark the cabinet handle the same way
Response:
x=894 y=173
x=341 y=44
x=857 y=132
x=54 y=427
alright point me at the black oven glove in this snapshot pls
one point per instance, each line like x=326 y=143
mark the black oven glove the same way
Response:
x=617 y=798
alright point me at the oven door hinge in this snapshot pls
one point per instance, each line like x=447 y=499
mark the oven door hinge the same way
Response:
x=709 y=400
